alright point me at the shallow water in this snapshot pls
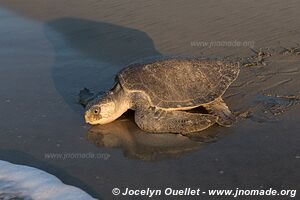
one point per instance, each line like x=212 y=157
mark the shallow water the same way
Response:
x=46 y=58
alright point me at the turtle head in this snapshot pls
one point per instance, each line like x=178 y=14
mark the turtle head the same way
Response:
x=100 y=111
x=106 y=108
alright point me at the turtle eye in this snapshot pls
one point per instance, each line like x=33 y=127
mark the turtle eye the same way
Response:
x=96 y=111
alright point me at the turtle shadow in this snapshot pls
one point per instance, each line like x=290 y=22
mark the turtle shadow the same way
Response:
x=90 y=53
x=22 y=158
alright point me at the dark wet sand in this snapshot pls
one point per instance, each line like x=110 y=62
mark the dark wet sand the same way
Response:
x=49 y=51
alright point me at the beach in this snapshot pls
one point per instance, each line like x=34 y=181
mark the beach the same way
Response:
x=50 y=50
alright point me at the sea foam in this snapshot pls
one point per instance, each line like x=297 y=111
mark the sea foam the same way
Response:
x=24 y=182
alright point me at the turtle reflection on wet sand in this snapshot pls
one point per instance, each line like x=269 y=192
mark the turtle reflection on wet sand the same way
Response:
x=124 y=134
x=162 y=90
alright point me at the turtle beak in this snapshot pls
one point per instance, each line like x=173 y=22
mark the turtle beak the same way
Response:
x=90 y=118
x=86 y=119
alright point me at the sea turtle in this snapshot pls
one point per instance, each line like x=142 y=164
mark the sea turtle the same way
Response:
x=162 y=90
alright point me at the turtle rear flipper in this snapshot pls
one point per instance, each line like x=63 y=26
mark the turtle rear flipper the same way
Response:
x=221 y=110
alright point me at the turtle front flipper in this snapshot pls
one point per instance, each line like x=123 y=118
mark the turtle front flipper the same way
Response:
x=221 y=110
x=162 y=121
x=85 y=96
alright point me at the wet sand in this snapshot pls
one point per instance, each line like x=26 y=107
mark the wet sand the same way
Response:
x=49 y=51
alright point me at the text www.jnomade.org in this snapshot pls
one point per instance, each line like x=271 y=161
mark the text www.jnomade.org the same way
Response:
x=233 y=43
x=67 y=156
x=197 y=192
